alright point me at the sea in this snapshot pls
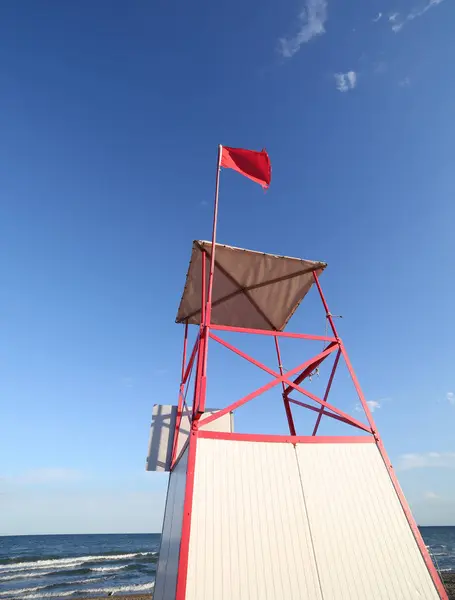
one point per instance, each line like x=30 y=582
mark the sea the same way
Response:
x=79 y=566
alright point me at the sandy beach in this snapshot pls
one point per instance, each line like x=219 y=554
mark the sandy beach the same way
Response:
x=123 y=597
x=449 y=582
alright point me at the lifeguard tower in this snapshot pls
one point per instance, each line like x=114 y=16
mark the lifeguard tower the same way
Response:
x=275 y=517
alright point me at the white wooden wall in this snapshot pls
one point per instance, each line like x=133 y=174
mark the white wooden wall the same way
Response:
x=272 y=521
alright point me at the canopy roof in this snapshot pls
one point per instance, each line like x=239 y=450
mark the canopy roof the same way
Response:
x=250 y=289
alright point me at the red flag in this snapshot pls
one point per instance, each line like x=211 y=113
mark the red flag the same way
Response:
x=252 y=164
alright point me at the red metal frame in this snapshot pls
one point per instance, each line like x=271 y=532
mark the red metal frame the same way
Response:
x=199 y=355
x=329 y=385
x=287 y=334
x=181 y=396
x=186 y=521
x=280 y=439
x=287 y=406
x=328 y=414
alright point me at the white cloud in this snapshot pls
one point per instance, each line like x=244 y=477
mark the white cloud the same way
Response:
x=405 y=82
x=311 y=24
x=415 y=12
x=426 y=460
x=375 y=20
x=451 y=398
x=345 y=81
x=431 y=496
x=372 y=404
x=393 y=17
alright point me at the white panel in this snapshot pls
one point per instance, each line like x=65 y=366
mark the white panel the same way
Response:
x=249 y=532
x=363 y=542
x=162 y=433
x=166 y=574
x=161 y=436
x=224 y=424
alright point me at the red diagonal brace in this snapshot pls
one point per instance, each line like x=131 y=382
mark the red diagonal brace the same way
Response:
x=278 y=379
x=327 y=391
x=308 y=371
x=191 y=361
x=350 y=419
x=325 y=413
x=311 y=362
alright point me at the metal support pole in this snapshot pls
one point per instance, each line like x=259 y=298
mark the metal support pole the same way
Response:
x=181 y=390
x=287 y=406
x=329 y=385
x=207 y=311
x=199 y=383
x=328 y=314
x=215 y=220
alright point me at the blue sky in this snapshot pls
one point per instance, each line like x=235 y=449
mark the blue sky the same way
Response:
x=110 y=114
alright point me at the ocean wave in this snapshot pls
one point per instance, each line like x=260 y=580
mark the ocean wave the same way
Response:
x=144 y=587
x=13 y=559
x=109 y=568
x=60 y=563
x=48 y=595
x=64 y=573
x=72 y=572
x=22 y=591
x=23 y=576
x=39 y=557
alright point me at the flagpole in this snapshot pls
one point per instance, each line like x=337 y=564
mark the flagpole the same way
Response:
x=207 y=313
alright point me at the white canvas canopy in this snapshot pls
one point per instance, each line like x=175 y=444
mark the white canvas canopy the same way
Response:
x=250 y=289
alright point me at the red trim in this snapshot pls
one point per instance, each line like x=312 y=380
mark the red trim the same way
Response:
x=182 y=572
x=302 y=336
x=283 y=439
